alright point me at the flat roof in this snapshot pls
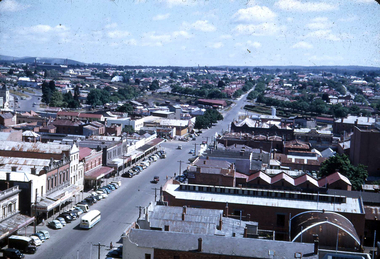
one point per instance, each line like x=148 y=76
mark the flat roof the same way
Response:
x=262 y=197
x=221 y=245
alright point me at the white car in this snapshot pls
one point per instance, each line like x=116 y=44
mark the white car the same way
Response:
x=36 y=241
x=103 y=194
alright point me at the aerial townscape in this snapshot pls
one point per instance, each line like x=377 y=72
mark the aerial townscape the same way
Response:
x=190 y=129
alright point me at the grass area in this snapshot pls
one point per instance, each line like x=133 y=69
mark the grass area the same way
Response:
x=28 y=90
x=18 y=93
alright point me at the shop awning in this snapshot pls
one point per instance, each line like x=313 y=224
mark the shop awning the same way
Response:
x=56 y=198
x=97 y=173
x=151 y=144
x=14 y=223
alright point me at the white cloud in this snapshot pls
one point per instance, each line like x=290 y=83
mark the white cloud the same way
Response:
x=254 y=44
x=259 y=29
x=349 y=18
x=289 y=19
x=171 y=3
x=161 y=17
x=302 y=45
x=326 y=58
x=302 y=6
x=200 y=25
x=131 y=42
x=217 y=45
x=320 y=23
x=323 y=34
x=41 y=28
x=184 y=34
x=12 y=6
x=154 y=39
x=365 y=1
x=254 y=13
x=117 y=34
x=111 y=25
x=226 y=36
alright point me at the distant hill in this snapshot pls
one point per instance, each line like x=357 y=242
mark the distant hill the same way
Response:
x=327 y=68
x=30 y=60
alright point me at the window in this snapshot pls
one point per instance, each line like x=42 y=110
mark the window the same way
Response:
x=280 y=220
x=9 y=207
x=148 y=256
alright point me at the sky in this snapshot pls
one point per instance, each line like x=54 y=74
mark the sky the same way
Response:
x=194 y=32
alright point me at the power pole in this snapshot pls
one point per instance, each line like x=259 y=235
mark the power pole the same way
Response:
x=155 y=194
x=35 y=213
x=99 y=246
x=180 y=166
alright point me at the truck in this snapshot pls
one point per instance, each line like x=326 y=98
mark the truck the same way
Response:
x=22 y=243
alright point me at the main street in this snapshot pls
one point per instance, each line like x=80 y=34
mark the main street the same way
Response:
x=121 y=207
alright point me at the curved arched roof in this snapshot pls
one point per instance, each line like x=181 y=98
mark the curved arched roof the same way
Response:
x=304 y=221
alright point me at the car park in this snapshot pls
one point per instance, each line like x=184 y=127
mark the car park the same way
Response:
x=55 y=224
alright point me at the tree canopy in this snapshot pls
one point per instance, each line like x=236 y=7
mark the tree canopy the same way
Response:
x=342 y=164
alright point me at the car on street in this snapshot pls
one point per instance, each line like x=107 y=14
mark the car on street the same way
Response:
x=45 y=233
x=12 y=253
x=62 y=220
x=116 y=253
x=40 y=236
x=36 y=240
x=156 y=179
x=55 y=224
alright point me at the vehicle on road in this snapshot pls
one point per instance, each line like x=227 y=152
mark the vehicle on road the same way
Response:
x=62 y=220
x=45 y=233
x=116 y=253
x=179 y=147
x=40 y=236
x=36 y=241
x=12 y=253
x=22 y=243
x=90 y=219
x=156 y=179
x=66 y=217
x=55 y=224
x=83 y=207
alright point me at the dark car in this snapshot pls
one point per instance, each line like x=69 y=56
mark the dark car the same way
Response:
x=156 y=179
x=116 y=253
x=91 y=200
x=67 y=217
x=128 y=174
x=12 y=253
x=71 y=213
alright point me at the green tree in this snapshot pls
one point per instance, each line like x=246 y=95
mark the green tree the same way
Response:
x=154 y=85
x=46 y=92
x=128 y=108
x=56 y=99
x=341 y=163
x=98 y=97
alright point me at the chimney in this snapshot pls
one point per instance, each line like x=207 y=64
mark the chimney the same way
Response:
x=33 y=170
x=316 y=243
x=220 y=222
x=245 y=232
x=226 y=210
x=204 y=162
x=199 y=244
x=166 y=228
x=184 y=209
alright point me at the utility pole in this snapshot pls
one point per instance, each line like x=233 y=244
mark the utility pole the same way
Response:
x=99 y=246
x=155 y=194
x=180 y=166
x=195 y=149
x=35 y=213
x=206 y=139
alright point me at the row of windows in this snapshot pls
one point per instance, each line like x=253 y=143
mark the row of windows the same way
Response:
x=9 y=209
x=55 y=180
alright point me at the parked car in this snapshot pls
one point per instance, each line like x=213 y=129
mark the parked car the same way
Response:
x=128 y=174
x=67 y=217
x=45 y=233
x=36 y=240
x=12 y=253
x=55 y=224
x=40 y=236
x=62 y=220
x=91 y=200
x=111 y=186
x=115 y=185
x=78 y=210
x=116 y=253
x=22 y=243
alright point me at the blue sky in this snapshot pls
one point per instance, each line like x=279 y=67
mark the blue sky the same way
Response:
x=192 y=32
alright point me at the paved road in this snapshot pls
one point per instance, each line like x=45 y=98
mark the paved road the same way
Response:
x=27 y=105
x=121 y=207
